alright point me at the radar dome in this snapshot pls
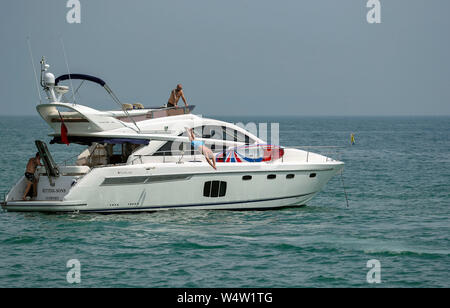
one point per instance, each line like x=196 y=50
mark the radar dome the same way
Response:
x=49 y=79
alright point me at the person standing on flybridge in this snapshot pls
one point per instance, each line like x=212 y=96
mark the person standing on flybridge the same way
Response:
x=175 y=96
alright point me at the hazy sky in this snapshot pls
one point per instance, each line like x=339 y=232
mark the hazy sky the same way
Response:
x=237 y=57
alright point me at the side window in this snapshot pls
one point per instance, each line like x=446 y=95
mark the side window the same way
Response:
x=223 y=133
x=214 y=132
x=170 y=146
x=242 y=138
x=215 y=189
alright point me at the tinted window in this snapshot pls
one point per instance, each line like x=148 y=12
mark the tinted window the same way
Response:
x=222 y=133
x=176 y=147
x=222 y=189
x=215 y=189
x=207 y=189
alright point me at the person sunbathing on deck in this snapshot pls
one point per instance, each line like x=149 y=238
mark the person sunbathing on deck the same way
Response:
x=200 y=146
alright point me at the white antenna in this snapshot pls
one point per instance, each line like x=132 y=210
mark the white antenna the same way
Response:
x=68 y=71
x=34 y=69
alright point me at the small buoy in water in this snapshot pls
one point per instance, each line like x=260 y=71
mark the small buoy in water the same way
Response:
x=352 y=139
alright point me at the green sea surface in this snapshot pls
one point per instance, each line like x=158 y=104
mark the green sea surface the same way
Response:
x=397 y=177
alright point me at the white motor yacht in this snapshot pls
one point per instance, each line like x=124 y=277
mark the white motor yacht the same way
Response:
x=141 y=159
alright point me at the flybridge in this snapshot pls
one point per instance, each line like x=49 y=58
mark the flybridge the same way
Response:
x=81 y=119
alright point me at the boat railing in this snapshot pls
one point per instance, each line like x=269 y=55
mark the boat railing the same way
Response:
x=179 y=155
x=66 y=161
x=331 y=152
x=169 y=111
x=154 y=113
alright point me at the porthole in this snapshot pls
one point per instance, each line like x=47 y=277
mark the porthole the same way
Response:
x=246 y=177
x=271 y=176
x=290 y=176
x=312 y=175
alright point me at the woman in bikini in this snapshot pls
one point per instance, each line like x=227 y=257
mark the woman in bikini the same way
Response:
x=200 y=146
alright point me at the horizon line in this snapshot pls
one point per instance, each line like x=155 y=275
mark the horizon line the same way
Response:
x=284 y=115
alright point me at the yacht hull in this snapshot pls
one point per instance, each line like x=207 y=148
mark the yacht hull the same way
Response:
x=127 y=189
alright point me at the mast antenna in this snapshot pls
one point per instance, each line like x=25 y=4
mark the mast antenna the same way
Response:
x=34 y=69
x=68 y=71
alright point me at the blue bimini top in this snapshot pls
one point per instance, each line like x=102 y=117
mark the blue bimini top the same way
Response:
x=197 y=144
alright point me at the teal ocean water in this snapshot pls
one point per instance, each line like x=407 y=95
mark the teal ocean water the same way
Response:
x=398 y=181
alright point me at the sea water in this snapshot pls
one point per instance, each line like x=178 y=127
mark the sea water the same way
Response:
x=397 y=177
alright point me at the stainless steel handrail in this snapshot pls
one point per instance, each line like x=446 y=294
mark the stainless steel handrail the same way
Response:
x=176 y=153
x=77 y=155
x=188 y=154
x=337 y=150
x=185 y=109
